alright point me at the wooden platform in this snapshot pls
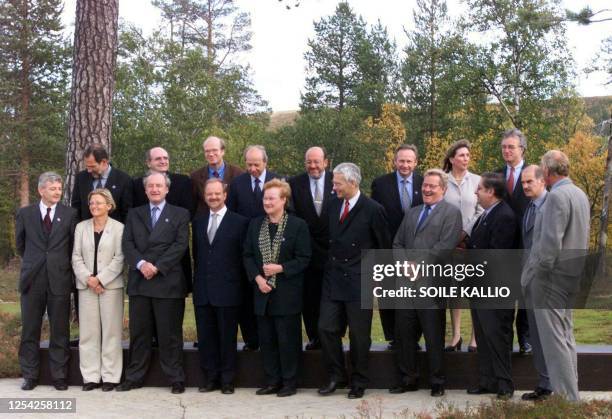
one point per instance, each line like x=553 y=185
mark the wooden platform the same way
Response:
x=594 y=364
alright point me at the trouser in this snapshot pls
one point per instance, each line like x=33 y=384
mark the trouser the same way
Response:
x=313 y=279
x=166 y=315
x=281 y=345
x=101 y=327
x=333 y=320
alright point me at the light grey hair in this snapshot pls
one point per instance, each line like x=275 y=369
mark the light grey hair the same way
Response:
x=212 y=137
x=350 y=171
x=514 y=132
x=257 y=147
x=153 y=172
x=537 y=171
x=556 y=162
x=440 y=173
x=50 y=177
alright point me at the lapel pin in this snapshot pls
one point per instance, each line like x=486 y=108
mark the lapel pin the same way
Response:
x=114 y=186
x=59 y=219
x=167 y=220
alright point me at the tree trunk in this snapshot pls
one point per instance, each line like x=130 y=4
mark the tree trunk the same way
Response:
x=93 y=68
x=23 y=185
x=607 y=198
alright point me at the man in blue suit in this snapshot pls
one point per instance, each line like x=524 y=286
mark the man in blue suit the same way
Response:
x=218 y=235
x=245 y=197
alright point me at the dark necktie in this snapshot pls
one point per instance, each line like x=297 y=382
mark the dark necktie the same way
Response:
x=510 y=181
x=345 y=212
x=47 y=221
x=257 y=190
x=529 y=217
x=423 y=217
x=98 y=184
x=216 y=174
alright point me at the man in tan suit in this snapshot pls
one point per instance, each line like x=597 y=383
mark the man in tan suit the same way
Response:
x=214 y=150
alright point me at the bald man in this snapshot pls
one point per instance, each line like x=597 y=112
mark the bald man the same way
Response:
x=216 y=167
x=311 y=193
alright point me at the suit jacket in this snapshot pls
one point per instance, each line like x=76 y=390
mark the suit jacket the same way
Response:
x=365 y=228
x=199 y=178
x=118 y=183
x=561 y=234
x=496 y=231
x=527 y=231
x=517 y=201
x=40 y=251
x=294 y=255
x=110 y=255
x=386 y=193
x=241 y=198
x=163 y=246
x=218 y=265
x=318 y=226
x=440 y=231
x=180 y=193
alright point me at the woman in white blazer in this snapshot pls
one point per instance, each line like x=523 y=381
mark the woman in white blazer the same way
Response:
x=461 y=192
x=97 y=261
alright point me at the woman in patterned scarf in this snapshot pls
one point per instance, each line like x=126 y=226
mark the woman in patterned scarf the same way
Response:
x=276 y=253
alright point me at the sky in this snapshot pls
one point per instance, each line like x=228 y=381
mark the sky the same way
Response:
x=280 y=37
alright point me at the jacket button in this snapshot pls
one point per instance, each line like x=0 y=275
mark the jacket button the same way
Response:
x=346 y=260
x=333 y=258
x=353 y=244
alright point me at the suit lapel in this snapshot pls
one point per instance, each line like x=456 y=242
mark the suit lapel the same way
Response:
x=36 y=219
x=220 y=228
x=145 y=216
x=394 y=191
x=352 y=213
x=58 y=219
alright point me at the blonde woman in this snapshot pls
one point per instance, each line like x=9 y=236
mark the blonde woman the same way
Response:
x=97 y=261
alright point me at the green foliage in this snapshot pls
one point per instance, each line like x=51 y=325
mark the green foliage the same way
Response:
x=34 y=77
x=181 y=84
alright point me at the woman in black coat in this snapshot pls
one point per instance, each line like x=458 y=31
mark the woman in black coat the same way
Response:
x=276 y=253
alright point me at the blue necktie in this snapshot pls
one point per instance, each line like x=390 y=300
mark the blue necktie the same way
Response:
x=423 y=217
x=154 y=216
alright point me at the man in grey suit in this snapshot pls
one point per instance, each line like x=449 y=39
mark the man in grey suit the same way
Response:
x=43 y=235
x=434 y=225
x=155 y=239
x=552 y=275
x=534 y=187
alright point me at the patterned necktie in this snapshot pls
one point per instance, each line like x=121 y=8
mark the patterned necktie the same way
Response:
x=318 y=197
x=345 y=212
x=47 y=221
x=423 y=217
x=405 y=198
x=154 y=216
x=510 y=181
x=212 y=228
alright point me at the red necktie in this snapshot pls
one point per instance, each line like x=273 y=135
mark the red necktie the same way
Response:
x=47 y=221
x=510 y=181
x=345 y=213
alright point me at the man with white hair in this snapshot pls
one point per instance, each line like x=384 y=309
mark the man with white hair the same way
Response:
x=356 y=223
x=43 y=236
x=552 y=273
x=216 y=167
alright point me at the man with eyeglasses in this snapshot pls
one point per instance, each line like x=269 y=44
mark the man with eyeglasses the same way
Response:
x=513 y=147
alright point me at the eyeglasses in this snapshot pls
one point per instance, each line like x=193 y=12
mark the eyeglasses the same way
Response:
x=96 y=203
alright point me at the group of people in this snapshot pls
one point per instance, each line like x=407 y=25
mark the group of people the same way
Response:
x=268 y=253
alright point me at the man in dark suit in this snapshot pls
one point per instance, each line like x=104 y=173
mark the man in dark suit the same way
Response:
x=155 y=239
x=356 y=223
x=214 y=150
x=245 y=197
x=513 y=146
x=494 y=229
x=312 y=193
x=397 y=192
x=99 y=173
x=218 y=238
x=180 y=193
x=43 y=237
x=434 y=225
